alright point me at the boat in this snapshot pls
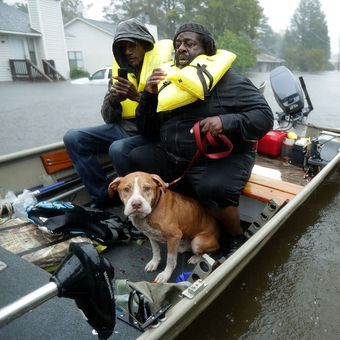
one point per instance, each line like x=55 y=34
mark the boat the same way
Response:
x=286 y=174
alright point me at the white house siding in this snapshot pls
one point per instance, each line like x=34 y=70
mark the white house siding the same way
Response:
x=46 y=18
x=5 y=72
x=95 y=45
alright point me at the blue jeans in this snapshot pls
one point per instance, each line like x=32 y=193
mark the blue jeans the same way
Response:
x=83 y=146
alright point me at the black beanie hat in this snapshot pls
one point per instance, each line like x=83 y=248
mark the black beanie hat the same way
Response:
x=208 y=40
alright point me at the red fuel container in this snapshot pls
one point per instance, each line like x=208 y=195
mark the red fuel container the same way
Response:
x=270 y=144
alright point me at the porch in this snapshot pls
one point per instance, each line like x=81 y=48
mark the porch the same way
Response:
x=24 y=69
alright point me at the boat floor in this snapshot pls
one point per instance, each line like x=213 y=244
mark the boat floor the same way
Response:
x=128 y=260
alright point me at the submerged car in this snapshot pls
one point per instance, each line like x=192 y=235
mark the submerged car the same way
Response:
x=99 y=77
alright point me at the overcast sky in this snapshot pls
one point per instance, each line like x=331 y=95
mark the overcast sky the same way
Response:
x=279 y=13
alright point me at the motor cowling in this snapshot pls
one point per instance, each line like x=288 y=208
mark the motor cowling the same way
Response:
x=86 y=277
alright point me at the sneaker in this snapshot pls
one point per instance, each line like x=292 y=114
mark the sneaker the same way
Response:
x=235 y=242
x=133 y=231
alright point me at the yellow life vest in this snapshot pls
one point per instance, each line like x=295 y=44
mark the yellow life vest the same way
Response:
x=159 y=55
x=184 y=86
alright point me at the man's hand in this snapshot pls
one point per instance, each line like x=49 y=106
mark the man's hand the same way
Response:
x=123 y=89
x=212 y=124
x=152 y=83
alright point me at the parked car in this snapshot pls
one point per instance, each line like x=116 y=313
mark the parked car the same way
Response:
x=99 y=77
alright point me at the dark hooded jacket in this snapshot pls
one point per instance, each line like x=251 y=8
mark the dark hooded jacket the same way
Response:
x=129 y=30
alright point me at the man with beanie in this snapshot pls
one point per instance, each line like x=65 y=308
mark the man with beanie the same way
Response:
x=233 y=108
x=134 y=50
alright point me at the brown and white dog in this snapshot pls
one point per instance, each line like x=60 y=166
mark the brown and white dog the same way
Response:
x=165 y=216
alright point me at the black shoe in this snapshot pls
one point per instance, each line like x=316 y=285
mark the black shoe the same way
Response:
x=133 y=231
x=235 y=242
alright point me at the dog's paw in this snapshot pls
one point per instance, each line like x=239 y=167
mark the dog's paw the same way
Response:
x=151 y=266
x=162 y=277
x=194 y=259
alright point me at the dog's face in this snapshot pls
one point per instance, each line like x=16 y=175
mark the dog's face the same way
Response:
x=138 y=191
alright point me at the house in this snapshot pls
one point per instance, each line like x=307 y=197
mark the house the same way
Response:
x=266 y=63
x=32 y=44
x=89 y=43
x=38 y=45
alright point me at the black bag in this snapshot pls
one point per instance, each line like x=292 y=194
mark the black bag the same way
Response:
x=71 y=219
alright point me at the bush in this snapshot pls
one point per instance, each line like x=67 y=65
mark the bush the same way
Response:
x=78 y=73
x=242 y=47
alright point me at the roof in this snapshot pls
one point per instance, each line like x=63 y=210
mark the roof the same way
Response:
x=267 y=58
x=14 y=20
x=104 y=26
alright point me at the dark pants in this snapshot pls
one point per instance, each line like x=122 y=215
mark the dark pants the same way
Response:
x=84 y=145
x=215 y=183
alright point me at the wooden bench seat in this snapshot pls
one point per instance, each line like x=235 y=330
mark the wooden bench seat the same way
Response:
x=259 y=187
x=55 y=161
x=264 y=189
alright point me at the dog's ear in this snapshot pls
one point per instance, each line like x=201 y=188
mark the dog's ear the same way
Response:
x=113 y=186
x=160 y=182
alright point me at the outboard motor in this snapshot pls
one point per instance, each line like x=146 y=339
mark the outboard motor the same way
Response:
x=83 y=276
x=289 y=94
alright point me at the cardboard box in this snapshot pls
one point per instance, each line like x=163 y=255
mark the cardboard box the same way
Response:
x=270 y=144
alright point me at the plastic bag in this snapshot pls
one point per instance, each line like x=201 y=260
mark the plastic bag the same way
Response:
x=20 y=203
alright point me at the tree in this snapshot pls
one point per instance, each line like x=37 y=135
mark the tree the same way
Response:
x=241 y=46
x=71 y=9
x=267 y=41
x=164 y=14
x=307 y=38
x=21 y=6
x=239 y=16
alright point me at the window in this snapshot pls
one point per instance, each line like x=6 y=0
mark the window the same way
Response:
x=75 y=59
x=98 y=75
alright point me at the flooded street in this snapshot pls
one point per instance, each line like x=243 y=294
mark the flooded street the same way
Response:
x=291 y=289
x=35 y=114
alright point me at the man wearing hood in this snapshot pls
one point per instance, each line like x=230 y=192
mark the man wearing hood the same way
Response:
x=135 y=51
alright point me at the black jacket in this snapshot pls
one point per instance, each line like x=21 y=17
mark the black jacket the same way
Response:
x=129 y=29
x=245 y=114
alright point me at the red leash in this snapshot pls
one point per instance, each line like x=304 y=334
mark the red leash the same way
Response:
x=201 y=146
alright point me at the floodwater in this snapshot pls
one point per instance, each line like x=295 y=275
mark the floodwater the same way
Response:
x=35 y=114
x=291 y=289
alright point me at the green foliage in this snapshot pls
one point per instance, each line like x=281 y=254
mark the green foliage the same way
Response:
x=21 y=6
x=267 y=41
x=71 y=9
x=78 y=73
x=242 y=47
x=314 y=59
x=306 y=44
x=239 y=16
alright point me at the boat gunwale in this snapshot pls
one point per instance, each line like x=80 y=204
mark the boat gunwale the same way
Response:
x=178 y=317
